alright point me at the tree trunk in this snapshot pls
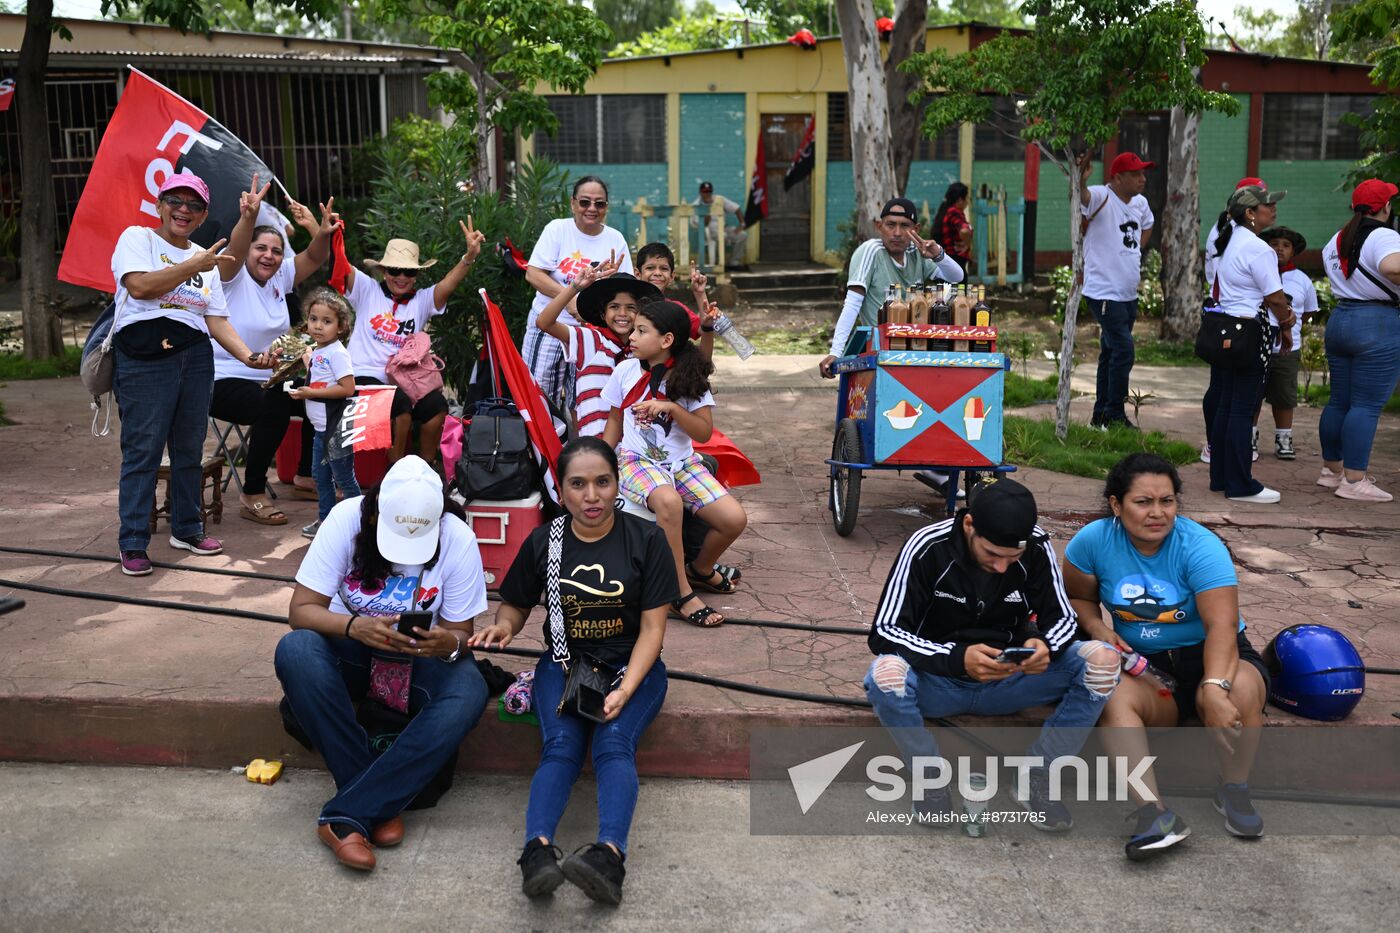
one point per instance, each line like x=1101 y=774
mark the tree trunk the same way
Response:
x=868 y=111
x=43 y=337
x=1076 y=292
x=1182 y=288
x=910 y=26
x=481 y=172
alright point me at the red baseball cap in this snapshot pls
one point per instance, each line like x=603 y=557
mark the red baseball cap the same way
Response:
x=1128 y=162
x=1373 y=193
x=1251 y=183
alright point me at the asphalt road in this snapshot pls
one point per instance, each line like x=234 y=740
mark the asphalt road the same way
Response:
x=111 y=849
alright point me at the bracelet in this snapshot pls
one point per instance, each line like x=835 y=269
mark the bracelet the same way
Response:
x=466 y=261
x=457 y=653
x=353 y=617
x=706 y=328
x=941 y=256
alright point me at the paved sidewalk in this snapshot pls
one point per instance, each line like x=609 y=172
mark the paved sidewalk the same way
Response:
x=94 y=681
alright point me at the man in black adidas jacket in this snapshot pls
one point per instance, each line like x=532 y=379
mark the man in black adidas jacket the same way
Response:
x=961 y=593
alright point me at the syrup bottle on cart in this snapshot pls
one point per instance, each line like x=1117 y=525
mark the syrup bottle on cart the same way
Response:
x=919 y=315
x=938 y=314
x=899 y=314
x=982 y=317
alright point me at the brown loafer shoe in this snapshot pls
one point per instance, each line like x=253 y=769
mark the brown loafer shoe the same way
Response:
x=354 y=851
x=388 y=833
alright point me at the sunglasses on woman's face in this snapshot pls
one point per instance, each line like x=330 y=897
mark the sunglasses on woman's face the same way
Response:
x=406 y=273
x=585 y=203
x=172 y=201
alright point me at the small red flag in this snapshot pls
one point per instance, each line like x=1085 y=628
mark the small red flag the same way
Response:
x=757 y=208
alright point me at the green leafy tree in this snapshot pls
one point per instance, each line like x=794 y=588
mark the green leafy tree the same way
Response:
x=1086 y=64
x=629 y=19
x=43 y=338
x=700 y=27
x=353 y=20
x=508 y=47
x=1377 y=22
x=1309 y=31
x=993 y=12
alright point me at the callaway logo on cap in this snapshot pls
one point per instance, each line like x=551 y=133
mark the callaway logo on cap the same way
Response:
x=410 y=506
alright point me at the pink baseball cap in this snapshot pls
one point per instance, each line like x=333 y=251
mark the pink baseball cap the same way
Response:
x=186 y=180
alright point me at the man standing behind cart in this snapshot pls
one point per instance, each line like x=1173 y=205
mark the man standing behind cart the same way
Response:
x=1117 y=223
x=899 y=257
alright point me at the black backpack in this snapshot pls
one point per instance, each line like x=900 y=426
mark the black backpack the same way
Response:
x=497 y=462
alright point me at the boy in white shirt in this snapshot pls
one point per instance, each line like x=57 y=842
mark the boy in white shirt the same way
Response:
x=1281 y=384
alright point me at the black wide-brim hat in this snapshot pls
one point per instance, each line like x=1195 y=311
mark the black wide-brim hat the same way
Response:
x=593 y=300
x=1284 y=233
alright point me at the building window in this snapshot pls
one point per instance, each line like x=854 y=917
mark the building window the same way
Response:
x=943 y=148
x=1309 y=126
x=990 y=143
x=611 y=129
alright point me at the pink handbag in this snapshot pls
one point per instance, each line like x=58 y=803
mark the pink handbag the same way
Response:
x=451 y=445
x=415 y=368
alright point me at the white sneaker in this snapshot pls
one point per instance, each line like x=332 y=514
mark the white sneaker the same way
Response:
x=1363 y=490
x=1328 y=479
x=1265 y=496
x=1205 y=453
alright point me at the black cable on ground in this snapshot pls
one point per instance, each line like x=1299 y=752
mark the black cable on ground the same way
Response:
x=703 y=679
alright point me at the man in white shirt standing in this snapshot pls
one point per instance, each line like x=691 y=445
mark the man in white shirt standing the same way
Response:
x=1117 y=225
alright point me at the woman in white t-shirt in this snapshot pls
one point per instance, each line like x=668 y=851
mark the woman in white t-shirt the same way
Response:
x=1247 y=280
x=256 y=289
x=387 y=313
x=403 y=547
x=169 y=302
x=565 y=247
x=1363 y=339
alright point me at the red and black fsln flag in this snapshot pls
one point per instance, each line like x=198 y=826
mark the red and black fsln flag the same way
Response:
x=757 y=207
x=805 y=160
x=153 y=134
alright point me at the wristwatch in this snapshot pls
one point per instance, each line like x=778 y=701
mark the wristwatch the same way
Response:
x=1220 y=682
x=457 y=652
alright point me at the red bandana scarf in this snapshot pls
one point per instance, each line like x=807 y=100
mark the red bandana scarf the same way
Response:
x=649 y=385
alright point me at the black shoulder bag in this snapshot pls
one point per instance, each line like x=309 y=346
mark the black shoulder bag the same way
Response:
x=1225 y=340
x=587 y=680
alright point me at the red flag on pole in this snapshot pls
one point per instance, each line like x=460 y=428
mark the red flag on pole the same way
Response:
x=153 y=134
x=806 y=159
x=528 y=398
x=757 y=208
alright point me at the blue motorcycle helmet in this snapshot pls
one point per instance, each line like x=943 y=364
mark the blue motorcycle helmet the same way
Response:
x=1315 y=672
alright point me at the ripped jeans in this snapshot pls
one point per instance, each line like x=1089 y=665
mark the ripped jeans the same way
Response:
x=1078 y=687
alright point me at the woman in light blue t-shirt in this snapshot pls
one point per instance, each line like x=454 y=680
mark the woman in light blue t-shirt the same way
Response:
x=1169 y=586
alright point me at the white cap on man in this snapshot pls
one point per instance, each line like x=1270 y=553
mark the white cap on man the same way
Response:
x=410 y=507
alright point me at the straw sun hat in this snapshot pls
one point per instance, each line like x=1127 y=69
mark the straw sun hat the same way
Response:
x=400 y=254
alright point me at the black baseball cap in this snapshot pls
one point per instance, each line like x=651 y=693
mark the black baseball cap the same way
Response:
x=706 y=187
x=900 y=207
x=1004 y=513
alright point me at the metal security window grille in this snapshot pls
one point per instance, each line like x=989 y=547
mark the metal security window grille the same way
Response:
x=991 y=140
x=1309 y=126
x=942 y=148
x=612 y=129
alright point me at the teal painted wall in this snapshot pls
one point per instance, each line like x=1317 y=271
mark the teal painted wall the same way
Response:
x=626 y=183
x=1224 y=153
x=1315 y=205
x=713 y=146
x=1052 y=217
x=927 y=182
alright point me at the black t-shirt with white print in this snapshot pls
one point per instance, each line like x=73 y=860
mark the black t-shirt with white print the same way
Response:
x=604 y=585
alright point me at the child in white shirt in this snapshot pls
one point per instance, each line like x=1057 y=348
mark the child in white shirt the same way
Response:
x=330 y=378
x=1281 y=384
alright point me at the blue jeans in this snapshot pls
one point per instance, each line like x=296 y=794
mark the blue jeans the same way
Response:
x=1363 y=354
x=1115 y=319
x=324 y=677
x=331 y=475
x=928 y=695
x=1229 y=406
x=163 y=403
x=566 y=738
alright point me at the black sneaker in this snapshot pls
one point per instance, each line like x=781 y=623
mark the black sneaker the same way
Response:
x=1241 y=819
x=598 y=870
x=1052 y=816
x=1156 y=831
x=539 y=864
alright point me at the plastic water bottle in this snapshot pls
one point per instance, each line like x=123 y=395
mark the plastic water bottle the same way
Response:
x=737 y=341
x=1135 y=665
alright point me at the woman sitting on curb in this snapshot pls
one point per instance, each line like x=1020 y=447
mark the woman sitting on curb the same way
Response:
x=390 y=551
x=611 y=576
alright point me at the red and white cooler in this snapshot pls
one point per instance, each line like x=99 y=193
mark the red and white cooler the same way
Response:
x=501 y=528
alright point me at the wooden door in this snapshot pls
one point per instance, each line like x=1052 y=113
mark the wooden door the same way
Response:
x=787 y=230
x=1148 y=135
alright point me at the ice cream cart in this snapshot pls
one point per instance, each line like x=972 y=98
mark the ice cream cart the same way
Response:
x=922 y=397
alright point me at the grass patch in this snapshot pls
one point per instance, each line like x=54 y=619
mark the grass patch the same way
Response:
x=1085 y=451
x=1153 y=352
x=1317 y=397
x=781 y=341
x=13 y=366
x=1022 y=391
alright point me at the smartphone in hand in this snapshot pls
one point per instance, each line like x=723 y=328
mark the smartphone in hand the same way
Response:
x=1015 y=655
x=409 y=620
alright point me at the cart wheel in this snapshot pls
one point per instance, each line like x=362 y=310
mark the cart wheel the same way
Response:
x=845 y=481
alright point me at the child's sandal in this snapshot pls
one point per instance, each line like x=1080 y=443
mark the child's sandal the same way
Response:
x=724 y=587
x=732 y=574
x=699 y=617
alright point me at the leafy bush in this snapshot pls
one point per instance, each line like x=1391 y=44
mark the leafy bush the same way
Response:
x=421 y=192
x=1151 y=300
x=1326 y=301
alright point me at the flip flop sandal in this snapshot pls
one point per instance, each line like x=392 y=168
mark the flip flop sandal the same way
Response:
x=699 y=616
x=724 y=587
x=301 y=492
x=263 y=514
x=732 y=574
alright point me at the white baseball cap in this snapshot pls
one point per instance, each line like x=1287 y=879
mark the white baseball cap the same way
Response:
x=410 y=506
